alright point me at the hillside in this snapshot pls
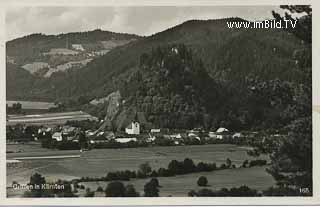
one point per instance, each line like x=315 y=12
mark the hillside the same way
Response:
x=43 y=55
x=232 y=59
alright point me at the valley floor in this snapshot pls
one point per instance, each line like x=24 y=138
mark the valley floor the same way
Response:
x=97 y=162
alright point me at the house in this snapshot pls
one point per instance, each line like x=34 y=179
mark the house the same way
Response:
x=221 y=130
x=194 y=136
x=175 y=136
x=237 y=135
x=125 y=140
x=77 y=47
x=90 y=133
x=57 y=136
x=155 y=130
x=151 y=138
x=133 y=128
x=221 y=133
x=98 y=140
x=68 y=130
x=44 y=130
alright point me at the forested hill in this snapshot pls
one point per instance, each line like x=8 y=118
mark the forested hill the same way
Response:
x=226 y=53
x=247 y=76
x=31 y=47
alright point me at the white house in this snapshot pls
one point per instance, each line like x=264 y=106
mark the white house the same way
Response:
x=221 y=129
x=125 y=140
x=77 y=47
x=175 y=136
x=219 y=134
x=237 y=135
x=155 y=130
x=57 y=136
x=133 y=128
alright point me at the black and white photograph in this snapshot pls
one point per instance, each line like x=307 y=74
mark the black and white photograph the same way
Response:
x=159 y=101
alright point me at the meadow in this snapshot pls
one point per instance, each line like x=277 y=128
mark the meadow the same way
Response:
x=48 y=118
x=180 y=185
x=33 y=104
x=97 y=162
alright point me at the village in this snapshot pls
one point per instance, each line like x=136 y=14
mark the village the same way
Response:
x=133 y=136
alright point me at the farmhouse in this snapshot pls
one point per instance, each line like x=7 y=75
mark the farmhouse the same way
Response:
x=57 y=136
x=98 y=140
x=77 y=47
x=155 y=130
x=125 y=140
x=221 y=133
x=133 y=128
x=237 y=135
x=175 y=136
x=44 y=130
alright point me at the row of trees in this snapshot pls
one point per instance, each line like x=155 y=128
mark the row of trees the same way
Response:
x=174 y=168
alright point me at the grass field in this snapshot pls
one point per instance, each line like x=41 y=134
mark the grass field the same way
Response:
x=98 y=162
x=32 y=104
x=48 y=118
x=180 y=185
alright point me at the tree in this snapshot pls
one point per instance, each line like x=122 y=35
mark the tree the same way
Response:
x=228 y=163
x=82 y=140
x=145 y=168
x=36 y=181
x=189 y=165
x=291 y=156
x=130 y=191
x=115 y=189
x=245 y=163
x=151 y=190
x=99 y=189
x=155 y=181
x=202 y=181
x=89 y=193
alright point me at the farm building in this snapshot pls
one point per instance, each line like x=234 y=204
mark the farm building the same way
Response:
x=221 y=133
x=57 y=136
x=221 y=129
x=133 y=128
x=77 y=47
x=237 y=135
x=98 y=139
x=175 y=136
x=125 y=140
x=155 y=130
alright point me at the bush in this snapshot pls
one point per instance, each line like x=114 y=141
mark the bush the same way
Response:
x=115 y=189
x=242 y=191
x=89 y=193
x=145 y=168
x=245 y=163
x=99 y=189
x=257 y=163
x=282 y=191
x=151 y=190
x=155 y=182
x=131 y=191
x=202 y=181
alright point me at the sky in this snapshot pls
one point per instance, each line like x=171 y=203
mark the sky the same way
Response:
x=147 y=20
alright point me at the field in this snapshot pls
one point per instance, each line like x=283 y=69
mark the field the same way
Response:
x=180 y=185
x=48 y=118
x=98 y=162
x=33 y=104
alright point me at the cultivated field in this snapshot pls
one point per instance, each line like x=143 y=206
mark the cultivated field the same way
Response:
x=98 y=162
x=48 y=118
x=32 y=104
